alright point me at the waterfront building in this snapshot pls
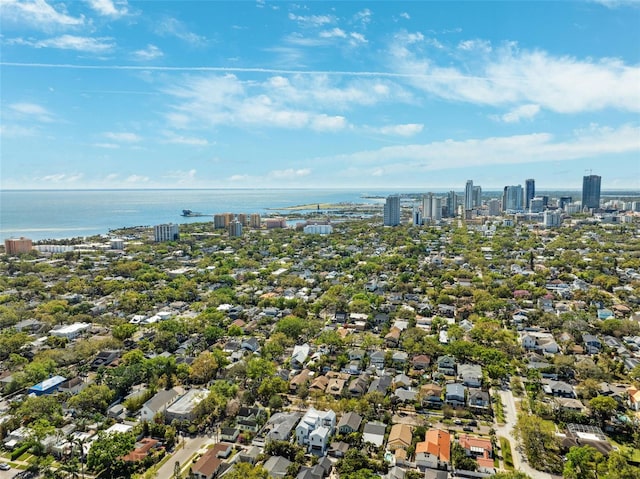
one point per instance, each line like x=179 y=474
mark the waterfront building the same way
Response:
x=243 y=219
x=273 y=223
x=165 y=232
x=17 y=245
x=529 y=192
x=591 y=191
x=392 y=211
x=468 y=195
x=235 y=229
x=318 y=229
x=255 y=221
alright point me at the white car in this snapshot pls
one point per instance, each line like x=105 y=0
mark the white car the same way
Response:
x=4 y=466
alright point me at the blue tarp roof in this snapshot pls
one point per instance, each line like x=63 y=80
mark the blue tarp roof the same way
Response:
x=48 y=383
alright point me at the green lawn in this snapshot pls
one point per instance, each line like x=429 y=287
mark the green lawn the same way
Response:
x=499 y=408
x=507 y=457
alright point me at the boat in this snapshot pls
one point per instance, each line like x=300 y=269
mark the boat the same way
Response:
x=190 y=213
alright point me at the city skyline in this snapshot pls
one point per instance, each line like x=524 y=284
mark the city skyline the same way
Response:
x=382 y=95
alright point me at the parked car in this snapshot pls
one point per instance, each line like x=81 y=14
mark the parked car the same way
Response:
x=4 y=466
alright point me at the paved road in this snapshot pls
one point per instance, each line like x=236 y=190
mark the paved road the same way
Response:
x=510 y=415
x=192 y=445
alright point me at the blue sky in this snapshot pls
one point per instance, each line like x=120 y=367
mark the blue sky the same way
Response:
x=212 y=94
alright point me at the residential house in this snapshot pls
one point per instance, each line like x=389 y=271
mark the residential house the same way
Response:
x=300 y=379
x=404 y=395
x=559 y=389
x=455 y=395
x=249 y=455
x=319 y=384
x=277 y=467
x=399 y=359
x=435 y=451
x=72 y=386
x=399 y=437
x=335 y=386
x=280 y=426
x=446 y=365
x=480 y=449
x=392 y=339
x=209 y=464
x=373 y=433
x=478 y=399
x=142 y=449
x=349 y=422
x=381 y=384
x=183 y=408
x=314 y=430
x=401 y=380
x=355 y=354
x=229 y=434
x=249 y=418
x=592 y=344
x=421 y=362
x=431 y=395
x=358 y=386
x=376 y=358
x=250 y=344
x=300 y=355
x=470 y=375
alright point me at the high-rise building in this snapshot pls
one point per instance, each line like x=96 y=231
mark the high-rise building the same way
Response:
x=591 y=191
x=392 y=211
x=436 y=209
x=235 y=229
x=552 y=218
x=416 y=216
x=564 y=201
x=243 y=219
x=255 y=220
x=477 y=196
x=536 y=205
x=17 y=245
x=512 y=198
x=166 y=232
x=427 y=206
x=468 y=195
x=494 y=207
x=452 y=204
x=529 y=192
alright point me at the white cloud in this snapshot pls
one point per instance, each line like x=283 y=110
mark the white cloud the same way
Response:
x=71 y=42
x=357 y=38
x=509 y=76
x=123 y=137
x=173 y=27
x=363 y=16
x=407 y=129
x=536 y=147
x=33 y=111
x=478 y=45
x=312 y=20
x=324 y=122
x=60 y=178
x=38 y=13
x=289 y=174
x=278 y=102
x=239 y=178
x=525 y=112
x=146 y=54
x=335 y=32
x=182 y=177
x=171 y=137
x=16 y=131
x=137 y=179
x=405 y=15
x=617 y=3
x=109 y=8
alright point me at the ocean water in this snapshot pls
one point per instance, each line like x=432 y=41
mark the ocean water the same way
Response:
x=55 y=214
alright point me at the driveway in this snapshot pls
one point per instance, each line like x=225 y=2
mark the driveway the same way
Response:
x=510 y=416
x=183 y=455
